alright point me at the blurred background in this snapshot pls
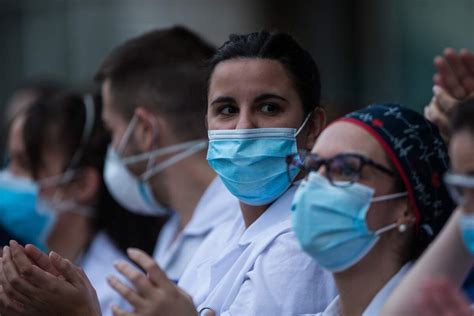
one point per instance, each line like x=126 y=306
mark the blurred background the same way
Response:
x=367 y=50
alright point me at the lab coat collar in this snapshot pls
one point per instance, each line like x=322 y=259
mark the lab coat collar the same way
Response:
x=215 y=206
x=276 y=216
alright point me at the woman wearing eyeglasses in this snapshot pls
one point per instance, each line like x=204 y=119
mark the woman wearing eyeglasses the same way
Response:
x=430 y=288
x=372 y=200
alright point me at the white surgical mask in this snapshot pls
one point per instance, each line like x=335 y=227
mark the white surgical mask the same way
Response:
x=134 y=192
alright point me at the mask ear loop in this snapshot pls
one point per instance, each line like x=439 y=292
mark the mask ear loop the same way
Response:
x=303 y=124
x=128 y=133
x=382 y=230
x=388 y=197
x=171 y=161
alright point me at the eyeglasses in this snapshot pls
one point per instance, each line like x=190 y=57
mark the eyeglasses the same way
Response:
x=459 y=186
x=341 y=170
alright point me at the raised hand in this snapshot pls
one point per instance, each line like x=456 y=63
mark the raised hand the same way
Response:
x=153 y=293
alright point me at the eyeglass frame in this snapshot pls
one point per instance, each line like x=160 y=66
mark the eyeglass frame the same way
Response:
x=364 y=161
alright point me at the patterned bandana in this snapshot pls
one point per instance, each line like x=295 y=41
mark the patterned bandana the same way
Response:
x=420 y=157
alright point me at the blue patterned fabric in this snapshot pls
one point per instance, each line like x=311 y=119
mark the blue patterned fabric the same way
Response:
x=420 y=157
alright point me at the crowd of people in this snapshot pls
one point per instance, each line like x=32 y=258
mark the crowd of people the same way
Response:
x=204 y=181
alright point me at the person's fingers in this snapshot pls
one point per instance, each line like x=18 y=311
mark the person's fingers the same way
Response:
x=119 y=312
x=129 y=294
x=14 y=280
x=445 y=102
x=19 y=258
x=40 y=259
x=459 y=70
x=456 y=63
x=142 y=284
x=143 y=260
x=9 y=306
x=467 y=58
x=66 y=268
x=448 y=79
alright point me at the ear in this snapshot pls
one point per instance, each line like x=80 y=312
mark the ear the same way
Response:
x=146 y=131
x=406 y=217
x=87 y=185
x=316 y=124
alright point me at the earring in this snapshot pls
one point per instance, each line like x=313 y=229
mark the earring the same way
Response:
x=402 y=228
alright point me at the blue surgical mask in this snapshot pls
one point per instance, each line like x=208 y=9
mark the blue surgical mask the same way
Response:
x=18 y=214
x=466 y=224
x=330 y=222
x=251 y=162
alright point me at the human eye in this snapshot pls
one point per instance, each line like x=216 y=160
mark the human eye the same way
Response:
x=344 y=169
x=270 y=108
x=227 y=110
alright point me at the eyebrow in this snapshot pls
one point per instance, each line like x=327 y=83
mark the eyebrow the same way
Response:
x=266 y=96
x=222 y=100
x=259 y=98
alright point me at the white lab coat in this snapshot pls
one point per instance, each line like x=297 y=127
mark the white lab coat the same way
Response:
x=375 y=306
x=97 y=264
x=260 y=270
x=174 y=250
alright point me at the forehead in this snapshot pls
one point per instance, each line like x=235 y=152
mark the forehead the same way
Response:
x=249 y=76
x=109 y=113
x=461 y=151
x=344 y=137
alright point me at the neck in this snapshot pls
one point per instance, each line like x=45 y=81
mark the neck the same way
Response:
x=71 y=235
x=251 y=213
x=186 y=182
x=370 y=274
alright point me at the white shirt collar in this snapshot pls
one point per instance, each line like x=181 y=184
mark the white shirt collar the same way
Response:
x=278 y=212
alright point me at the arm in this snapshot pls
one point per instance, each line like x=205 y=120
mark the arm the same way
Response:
x=446 y=258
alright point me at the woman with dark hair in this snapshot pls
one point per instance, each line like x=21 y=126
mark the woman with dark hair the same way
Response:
x=65 y=144
x=263 y=104
x=372 y=201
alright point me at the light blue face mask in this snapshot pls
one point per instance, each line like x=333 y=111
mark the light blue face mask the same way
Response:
x=329 y=221
x=466 y=224
x=18 y=213
x=251 y=162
